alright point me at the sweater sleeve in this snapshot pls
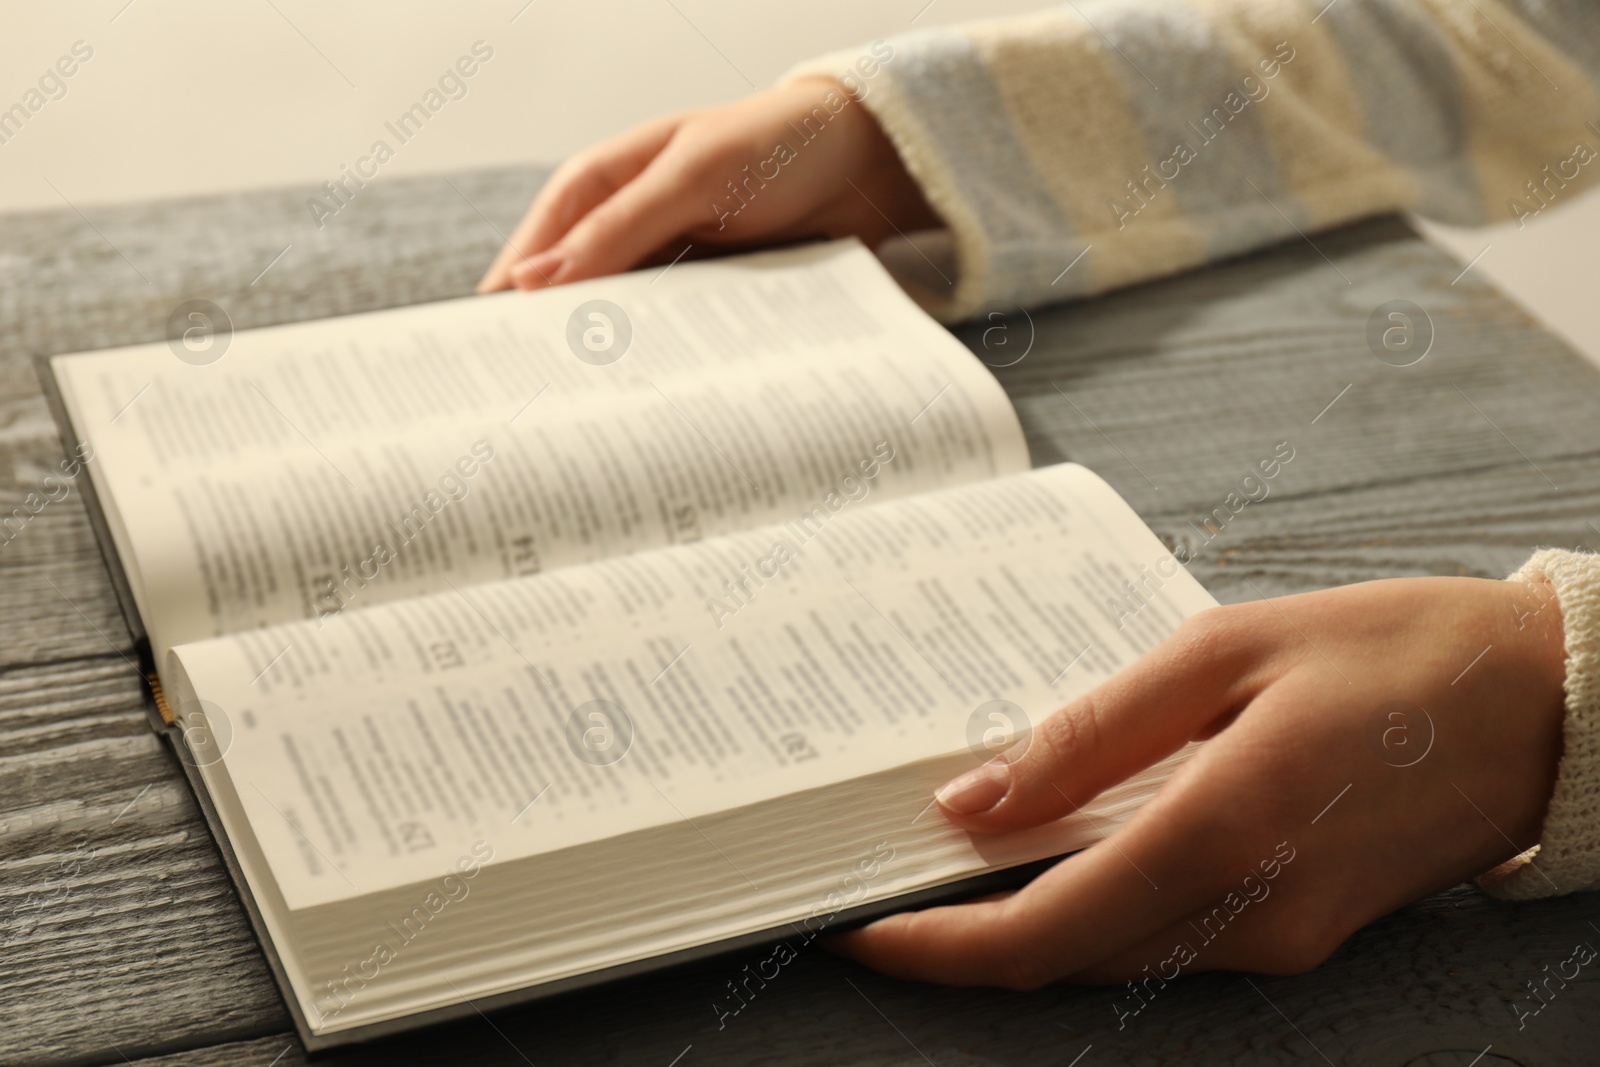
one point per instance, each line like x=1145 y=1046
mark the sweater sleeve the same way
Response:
x=1567 y=857
x=1107 y=142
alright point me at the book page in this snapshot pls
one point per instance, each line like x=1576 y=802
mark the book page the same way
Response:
x=319 y=466
x=668 y=685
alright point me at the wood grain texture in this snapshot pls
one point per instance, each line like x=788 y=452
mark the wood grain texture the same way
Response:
x=1425 y=986
x=122 y=938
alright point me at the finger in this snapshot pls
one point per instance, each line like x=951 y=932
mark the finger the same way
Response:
x=959 y=944
x=1253 y=928
x=1208 y=668
x=656 y=207
x=846 y=944
x=1202 y=942
x=574 y=190
x=1172 y=858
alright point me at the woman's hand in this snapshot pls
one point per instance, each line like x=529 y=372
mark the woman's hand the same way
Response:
x=802 y=160
x=1370 y=745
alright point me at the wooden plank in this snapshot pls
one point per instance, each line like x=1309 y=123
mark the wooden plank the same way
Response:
x=1192 y=380
x=119 y=925
x=122 y=937
x=1434 y=979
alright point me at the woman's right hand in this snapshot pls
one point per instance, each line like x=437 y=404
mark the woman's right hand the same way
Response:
x=1437 y=704
x=778 y=166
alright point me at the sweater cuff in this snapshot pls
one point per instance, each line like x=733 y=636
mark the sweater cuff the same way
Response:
x=938 y=98
x=1568 y=852
x=955 y=291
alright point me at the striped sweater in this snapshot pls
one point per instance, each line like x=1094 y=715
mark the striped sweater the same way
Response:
x=1108 y=142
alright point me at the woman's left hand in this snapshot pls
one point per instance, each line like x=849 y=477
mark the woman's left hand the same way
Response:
x=805 y=159
x=1369 y=745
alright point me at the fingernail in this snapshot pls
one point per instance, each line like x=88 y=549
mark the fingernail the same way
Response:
x=978 y=790
x=540 y=269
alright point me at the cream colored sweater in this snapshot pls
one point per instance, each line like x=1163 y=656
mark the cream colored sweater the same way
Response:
x=1108 y=142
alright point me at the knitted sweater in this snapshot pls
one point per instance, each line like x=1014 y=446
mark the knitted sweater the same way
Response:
x=1108 y=142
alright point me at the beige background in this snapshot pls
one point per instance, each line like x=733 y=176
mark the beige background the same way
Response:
x=184 y=96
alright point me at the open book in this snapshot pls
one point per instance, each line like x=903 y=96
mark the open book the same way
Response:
x=522 y=641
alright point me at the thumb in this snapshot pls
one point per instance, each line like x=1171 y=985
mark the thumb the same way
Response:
x=1151 y=709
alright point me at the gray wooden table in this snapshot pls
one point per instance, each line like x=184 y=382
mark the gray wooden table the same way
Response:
x=121 y=939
